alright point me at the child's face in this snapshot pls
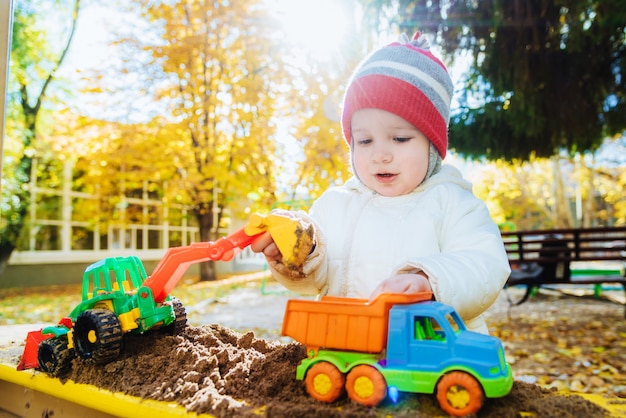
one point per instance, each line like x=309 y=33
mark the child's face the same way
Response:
x=390 y=155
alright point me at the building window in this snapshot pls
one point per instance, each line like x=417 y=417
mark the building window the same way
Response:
x=67 y=220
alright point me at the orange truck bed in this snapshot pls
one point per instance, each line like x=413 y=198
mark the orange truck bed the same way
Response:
x=343 y=323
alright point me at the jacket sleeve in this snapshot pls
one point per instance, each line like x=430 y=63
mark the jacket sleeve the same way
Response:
x=309 y=280
x=472 y=266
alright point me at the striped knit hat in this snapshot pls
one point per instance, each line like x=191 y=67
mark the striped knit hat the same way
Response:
x=406 y=79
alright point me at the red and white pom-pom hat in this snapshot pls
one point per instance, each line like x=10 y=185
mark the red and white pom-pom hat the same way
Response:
x=406 y=79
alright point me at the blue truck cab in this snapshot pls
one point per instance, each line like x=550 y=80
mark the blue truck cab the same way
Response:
x=428 y=339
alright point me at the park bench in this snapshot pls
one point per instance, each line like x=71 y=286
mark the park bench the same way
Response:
x=581 y=256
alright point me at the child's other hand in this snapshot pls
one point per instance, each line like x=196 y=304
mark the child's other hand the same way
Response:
x=408 y=283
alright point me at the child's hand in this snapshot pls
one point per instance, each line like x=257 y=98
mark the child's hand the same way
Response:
x=265 y=244
x=407 y=283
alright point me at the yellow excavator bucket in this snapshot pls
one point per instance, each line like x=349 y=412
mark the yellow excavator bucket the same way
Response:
x=293 y=236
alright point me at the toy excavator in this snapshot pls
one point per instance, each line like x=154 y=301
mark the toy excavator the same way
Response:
x=118 y=297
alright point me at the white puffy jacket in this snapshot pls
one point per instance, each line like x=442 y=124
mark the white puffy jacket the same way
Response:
x=440 y=228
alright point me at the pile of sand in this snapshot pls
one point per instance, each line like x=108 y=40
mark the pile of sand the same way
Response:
x=214 y=370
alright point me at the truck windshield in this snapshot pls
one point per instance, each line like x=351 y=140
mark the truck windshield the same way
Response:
x=428 y=328
x=454 y=323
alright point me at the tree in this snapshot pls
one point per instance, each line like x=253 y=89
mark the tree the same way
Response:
x=526 y=195
x=33 y=66
x=325 y=157
x=544 y=76
x=522 y=193
x=320 y=84
x=214 y=65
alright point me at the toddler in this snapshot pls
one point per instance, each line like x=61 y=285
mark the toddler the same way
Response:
x=404 y=222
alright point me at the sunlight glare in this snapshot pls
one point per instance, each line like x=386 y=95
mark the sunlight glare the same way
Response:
x=315 y=26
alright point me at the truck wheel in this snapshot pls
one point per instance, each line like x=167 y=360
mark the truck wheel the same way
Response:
x=459 y=394
x=98 y=335
x=180 y=321
x=366 y=385
x=54 y=357
x=324 y=382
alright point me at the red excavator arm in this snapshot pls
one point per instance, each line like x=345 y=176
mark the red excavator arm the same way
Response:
x=293 y=245
x=177 y=260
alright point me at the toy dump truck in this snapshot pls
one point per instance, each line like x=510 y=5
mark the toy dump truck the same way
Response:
x=395 y=343
x=118 y=298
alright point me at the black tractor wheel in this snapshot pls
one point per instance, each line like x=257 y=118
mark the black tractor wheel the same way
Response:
x=54 y=357
x=180 y=321
x=98 y=335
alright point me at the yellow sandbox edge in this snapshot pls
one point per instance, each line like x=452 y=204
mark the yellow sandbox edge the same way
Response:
x=114 y=403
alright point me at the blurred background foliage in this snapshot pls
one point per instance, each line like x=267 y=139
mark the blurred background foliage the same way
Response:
x=235 y=105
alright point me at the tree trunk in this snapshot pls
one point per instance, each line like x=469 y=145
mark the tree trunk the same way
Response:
x=564 y=218
x=14 y=218
x=6 y=249
x=589 y=208
x=204 y=216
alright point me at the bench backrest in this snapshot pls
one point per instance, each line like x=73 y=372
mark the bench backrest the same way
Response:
x=565 y=245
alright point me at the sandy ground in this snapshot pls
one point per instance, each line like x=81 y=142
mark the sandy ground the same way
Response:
x=248 y=308
x=260 y=307
x=261 y=310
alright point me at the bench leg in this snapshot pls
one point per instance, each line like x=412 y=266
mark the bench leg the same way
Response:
x=624 y=286
x=529 y=291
